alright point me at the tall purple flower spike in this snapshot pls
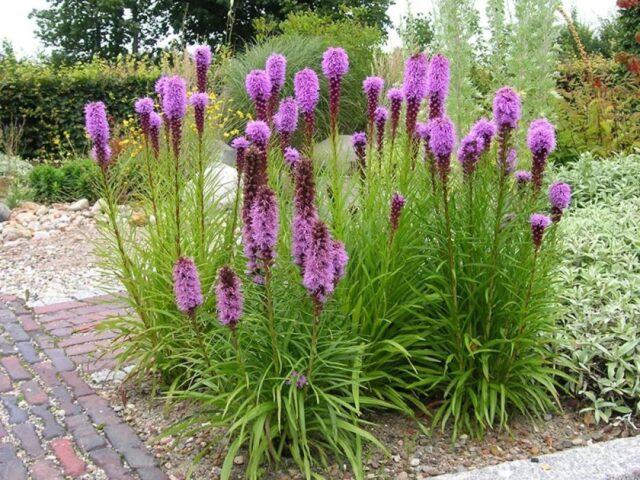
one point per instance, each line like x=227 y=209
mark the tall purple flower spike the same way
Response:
x=291 y=157
x=97 y=126
x=144 y=107
x=305 y=210
x=441 y=142
x=560 y=198
x=395 y=97
x=286 y=121
x=258 y=85
x=240 y=145
x=397 y=204
x=159 y=86
x=539 y=224
x=484 y=130
x=372 y=87
x=335 y=65
x=229 y=299
x=380 y=116
x=506 y=115
x=307 y=92
x=541 y=140
x=469 y=153
x=414 y=88
x=276 y=68
x=359 y=141
x=174 y=106
x=265 y=223
x=319 y=272
x=258 y=132
x=202 y=57
x=199 y=102
x=437 y=85
x=186 y=285
x=155 y=122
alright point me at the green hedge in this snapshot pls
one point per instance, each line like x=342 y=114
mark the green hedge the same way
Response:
x=49 y=102
x=74 y=180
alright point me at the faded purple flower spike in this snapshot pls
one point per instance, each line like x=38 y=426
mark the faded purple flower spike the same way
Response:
x=380 y=116
x=301 y=382
x=511 y=162
x=319 y=269
x=442 y=139
x=484 y=130
x=307 y=92
x=199 y=102
x=335 y=65
x=539 y=223
x=291 y=157
x=144 y=107
x=240 y=145
x=258 y=132
x=305 y=210
x=522 y=178
x=506 y=109
x=265 y=223
x=397 y=204
x=359 y=141
x=541 y=139
x=437 y=85
x=395 y=97
x=255 y=175
x=372 y=87
x=202 y=57
x=97 y=126
x=186 y=285
x=340 y=260
x=560 y=197
x=258 y=85
x=286 y=121
x=155 y=122
x=469 y=153
x=174 y=106
x=276 y=67
x=229 y=297
x=414 y=88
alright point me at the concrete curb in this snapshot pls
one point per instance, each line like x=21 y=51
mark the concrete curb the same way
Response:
x=614 y=460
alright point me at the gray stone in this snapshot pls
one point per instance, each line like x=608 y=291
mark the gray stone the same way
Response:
x=16 y=414
x=224 y=153
x=220 y=182
x=52 y=428
x=5 y=212
x=81 y=204
x=346 y=156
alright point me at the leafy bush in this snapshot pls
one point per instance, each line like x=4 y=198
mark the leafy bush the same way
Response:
x=600 y=329
x=74 y=180
x=303 y=40
x=50 y=101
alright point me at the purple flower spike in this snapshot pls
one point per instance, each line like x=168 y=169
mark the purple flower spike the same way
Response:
x=258 y=132
x=155 y=122
x=340 y=260
x=144 y=107
x=395 y=97
x=372 y=87
x=174 y=106
x=202 y=57
x=276 y=67
x=422 y=131
x=229 y=298
x=485 y=130
x=512 y=161
x=335 y=65
x=560 y=197
x=97 y=126
x=319 y=272
x=161 y=83
x=437 y=85
x=359 y=141
x=301 y=382
x=240 y=145
x=469 y=153
x=286 y=120
x=265 y=223
x=539 y=223
x=186 y=285
x=258 y=85
x=506 y=108
x=380 y=116
x=522 y=177
x=442 y=139
x=199 y=102
x=397 y=204
x=541 y=139
x=414 y=88
x=305 y=211
x=307 y=92
x=291 y=157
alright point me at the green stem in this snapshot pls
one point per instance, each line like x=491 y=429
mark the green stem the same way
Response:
x=452 y=267
x=176 y=181
x=236 y=347
x=317 y=308
x=271 y=315
x=152 y=183
x=201 y=197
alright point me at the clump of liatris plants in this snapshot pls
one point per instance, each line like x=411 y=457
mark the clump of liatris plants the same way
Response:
x=288 y=299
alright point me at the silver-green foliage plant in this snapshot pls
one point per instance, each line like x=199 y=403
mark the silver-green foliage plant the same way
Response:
x=600 y=327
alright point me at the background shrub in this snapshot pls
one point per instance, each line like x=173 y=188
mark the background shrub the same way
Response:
x=76 y=179
x=600 y=334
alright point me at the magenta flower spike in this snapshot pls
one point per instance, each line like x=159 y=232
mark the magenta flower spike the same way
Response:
x=258 y=85
x=414 y=88
x=397 y=205
x=186 y=285
x=159 y=87
x=174 y=106
x=240 y=145
x=259 y=133
x=286 y=121
x=395 y=97
x=484 y=130
x=442 y=139
x=437 y=85
x=335 y=65
x=229 y=299
x=469 y=153
x=202 y=57
x=380 y=116
x=255 y=176
x=276 y=68
x=291 y=157
x=155 y=123
x=372 y=87
x=359 y=142
x=307 y=92
x=265 y=223
x=319 y=271
x=144 y=107
x=97 y=126
x=539 y=224
x=541 y=140
x=560 y=198
x=199 y=102
x=305 y=211
x=506 y=109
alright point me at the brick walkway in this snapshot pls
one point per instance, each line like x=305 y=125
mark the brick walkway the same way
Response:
x=52 y=423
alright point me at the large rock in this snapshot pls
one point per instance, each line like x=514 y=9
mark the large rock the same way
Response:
x=346 y=156
x=224 y=153
x=5 y=212
x=79 y=205
x=220 y=182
